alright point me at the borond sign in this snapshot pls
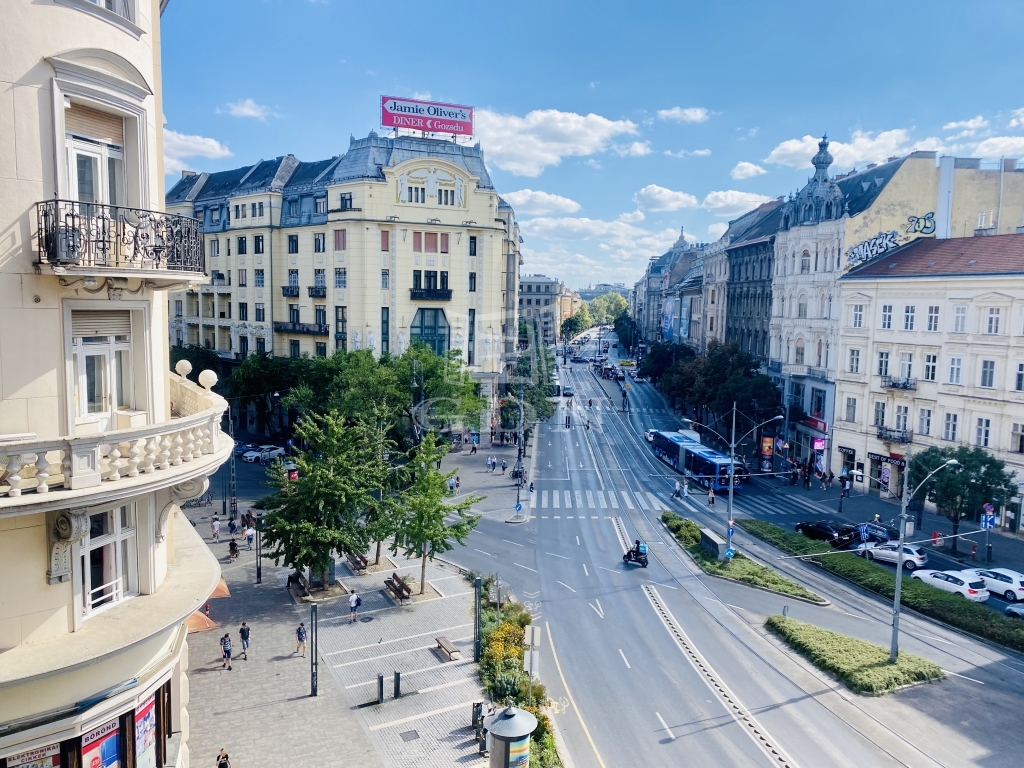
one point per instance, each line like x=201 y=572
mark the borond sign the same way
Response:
x=426 y=116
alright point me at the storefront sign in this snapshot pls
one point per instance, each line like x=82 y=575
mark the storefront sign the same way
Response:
x=100 y=748
x=872 y=247
x=43 y=757
x=145 y=734
x=426 y=116
x=819 y=444
x=848 y=451
x=813 y=423
x=896 y=462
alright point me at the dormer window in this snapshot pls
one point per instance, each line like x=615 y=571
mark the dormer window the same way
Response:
x=321 y=205
x=293 y=207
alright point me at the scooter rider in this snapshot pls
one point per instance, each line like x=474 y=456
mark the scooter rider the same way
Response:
x=636 y=549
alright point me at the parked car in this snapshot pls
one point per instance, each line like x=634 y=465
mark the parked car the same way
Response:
x=963 y=583
x=252 y=456
x=913 y=556
x=567 y=392
x=649 y=434
x=1002 y=581
x=876 y=534
x=819 y=530
x=270 y=452
x=243 y=448
x=1014 y=611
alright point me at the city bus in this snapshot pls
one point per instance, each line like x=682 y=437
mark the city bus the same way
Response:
x=706 y=466
x=556 y=387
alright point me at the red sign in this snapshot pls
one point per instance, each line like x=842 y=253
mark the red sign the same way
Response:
x=43 y=757
x=426 y=116
x=813 y=423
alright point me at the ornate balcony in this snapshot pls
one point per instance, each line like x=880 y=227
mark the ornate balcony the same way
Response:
x=308 y=329
x=898 y=382
x=290 y=291
x=317 y=291
x=94 y=240
x=890 y=435
x=430 y=294
x=95 y=468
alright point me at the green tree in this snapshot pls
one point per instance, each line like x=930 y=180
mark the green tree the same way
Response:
x=960 y=492
x=320 y=513
x=607 y=307
x=201 y=358
x=258 y=379
x=422 y=528
x=578 y=323
x=661 y=357
x=625 y=329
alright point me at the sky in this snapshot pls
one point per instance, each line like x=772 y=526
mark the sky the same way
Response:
x=607 y=126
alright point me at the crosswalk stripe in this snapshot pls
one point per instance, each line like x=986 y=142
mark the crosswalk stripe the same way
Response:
x=555 y=496
x=579 y=499
x=657 y=503
x=590 y=500
x=543 y=499
x=533 y=500
x=629 y=501
x=568 y=500
x=601 y=500
x=614 y=499
x=640 y=500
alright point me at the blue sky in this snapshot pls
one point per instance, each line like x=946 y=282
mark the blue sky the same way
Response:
x=607 y=130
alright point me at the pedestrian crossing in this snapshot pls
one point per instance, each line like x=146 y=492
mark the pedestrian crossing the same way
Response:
x=606 y=499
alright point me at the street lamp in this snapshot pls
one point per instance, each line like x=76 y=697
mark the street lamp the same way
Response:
x=894 y=648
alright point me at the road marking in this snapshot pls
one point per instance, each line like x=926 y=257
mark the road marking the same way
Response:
x=702 y=597
x=555 y=498
x=431 y=668
x=629 y=502
x=397 y=640
x=543 y=499
x=543 y=517
x=565 y=585
x=561 y=556
x=579 y=499
x=613 y=499
x=624 y=659
x=511 y=542
x=590 y=500
x=420 y=716
x=577 y=541
x=595 y=517
x=395 y=653
x=939 y=639
x=482 y=552
x=669 y=586
x=664 y=725
x=601 y=500
x=640 y=500
x=568 y=693
x=569 y=517
x=451 y=684
x=533 y=501
x=556 y=517
x=737 y=607
x=610 y=570
x=598 y=609
x=568 y=500
x=965 y=677
x=526 y=567
x=854 y=615
x=585 y=571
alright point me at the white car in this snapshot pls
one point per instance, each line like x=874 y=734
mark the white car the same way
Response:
x=270 y=452
x=913 y=556
x=964 y=583
x=649 y=434
x=251 y=456
x=1002 y=581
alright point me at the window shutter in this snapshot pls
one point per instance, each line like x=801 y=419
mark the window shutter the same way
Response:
x=93 y=124
x=100 y=323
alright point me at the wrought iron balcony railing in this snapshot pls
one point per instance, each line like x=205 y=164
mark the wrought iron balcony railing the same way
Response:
x=898 y=382
x=890 y=435
x=290 y=291
x=73 y=234
x=430 y=294
x=317 y=291
x=309 y=329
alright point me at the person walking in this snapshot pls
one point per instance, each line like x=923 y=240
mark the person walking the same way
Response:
x=225 y=648
x=215 y=527
x=250 y=535
x=243 y=634
x=504 y=466
x=824 y=481
x=451 y=486
x=232 y=526
x=354 y=601
x=472 y=448
x=686 y=487
x=458 y=484
x=222 y=760
x=300 y=639
x=711 y=497
x=831 y=477
x=676 y=493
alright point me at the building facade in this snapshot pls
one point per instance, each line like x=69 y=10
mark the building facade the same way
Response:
x=400 y=239
x=931 y=354
x=682 y=300
x=751 y=264
x=99 y=442
x=540 y=303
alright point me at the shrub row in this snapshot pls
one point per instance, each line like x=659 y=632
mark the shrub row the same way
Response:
x=862 y=666
x=946 y=607
x=741 y=568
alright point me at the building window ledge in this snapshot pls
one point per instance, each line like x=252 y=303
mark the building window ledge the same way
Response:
x=115 y=19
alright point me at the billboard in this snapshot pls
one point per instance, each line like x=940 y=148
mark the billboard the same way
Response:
x=668 y=311
x=426 y=116
x=145 y=734
x=101 y=748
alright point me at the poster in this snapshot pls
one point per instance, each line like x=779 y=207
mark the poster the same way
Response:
x=883 y=477
x=100 y=748
x=519 y=753
x=766 y=445
x=145 y=734
x=42 y=757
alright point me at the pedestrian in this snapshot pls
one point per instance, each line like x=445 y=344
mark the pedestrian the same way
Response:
x=531 y=487
x=831 y=477
x=215 y=527
x=451 y=486
x=354 y=601
x=243 y=634
x=824 y=481
x=206 y=608
x=458 y=484
x=300 y=639
x=686 y=487
x=840 y=500
x=711 y=497
x=225 y=647
x=676 y=492
x=250 y=535
x=438 y=463
x=223 y=761
x=232 y=526
x=472 y=448
x=504 y=466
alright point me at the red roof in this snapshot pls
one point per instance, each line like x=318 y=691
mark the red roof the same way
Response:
x=929 y=257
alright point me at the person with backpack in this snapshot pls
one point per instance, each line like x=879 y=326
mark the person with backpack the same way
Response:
x=354 y=601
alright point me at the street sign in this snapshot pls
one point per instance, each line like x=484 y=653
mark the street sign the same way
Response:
x=862 y=529
x=730 y=553
x=519 y=507
x=531 y=662
x=988 y=522
x=988 y=507
x=729 y=531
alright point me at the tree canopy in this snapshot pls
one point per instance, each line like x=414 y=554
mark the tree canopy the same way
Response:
x=578 y=323
x=606 y=308
x=660 y=358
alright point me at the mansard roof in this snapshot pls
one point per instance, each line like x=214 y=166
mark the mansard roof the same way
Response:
x=947 y=257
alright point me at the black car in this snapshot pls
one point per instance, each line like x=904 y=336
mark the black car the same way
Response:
x=876 y=533
x=820 y=530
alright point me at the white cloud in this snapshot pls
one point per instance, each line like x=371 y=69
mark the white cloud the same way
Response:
x=1017 y=121
x=593 y=164
x=688 y=153
x=717 y=229
x=745 y=170
x=863 y=147
x=966 y=127
x=655 y=198
x=526 y=145
x=685 y=114
x=632 y=217
x=421 y=95
x=636 y=149
x=530 y=201
x=732 y=202
x=248 y=108
x=178 y=146
x=578 y=270
x=1001 y=146
x=619 y=239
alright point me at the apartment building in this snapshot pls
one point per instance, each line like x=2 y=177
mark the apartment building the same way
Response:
x=99 y=442
x=540 y=302
x=400 y=239
x=932 y=354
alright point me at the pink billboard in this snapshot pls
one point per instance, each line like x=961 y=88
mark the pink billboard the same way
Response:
x=426 y=116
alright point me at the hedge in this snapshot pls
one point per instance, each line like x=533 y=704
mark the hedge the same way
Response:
x=741 y=568
x=947 y=607
x=862 y=666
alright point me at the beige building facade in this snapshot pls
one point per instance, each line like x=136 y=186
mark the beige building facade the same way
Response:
x=540 y=303
x=99 y=442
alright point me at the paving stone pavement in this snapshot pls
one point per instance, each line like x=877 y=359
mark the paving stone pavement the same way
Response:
x=499 y=490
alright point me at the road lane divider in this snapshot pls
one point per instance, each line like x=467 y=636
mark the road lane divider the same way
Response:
x=620 y=532
x=572 y=701
x=624 y=659
x=664 y=725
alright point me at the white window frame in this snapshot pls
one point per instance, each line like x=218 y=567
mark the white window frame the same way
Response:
x=992 y=322
x=931 y=365
x=887 y=317
x=956 y=370
x=949 y=425
x=857 y=316
x=909 y=315
x=123 y=541
x=924 y=421
x=983 y=432
x=854 y=360
x=933 y=318
x=988 y=367
x=960 y=319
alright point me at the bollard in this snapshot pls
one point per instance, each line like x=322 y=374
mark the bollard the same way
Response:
x=398 y=684
x=478 y=719
x=380 y=689
x=988 y=553
x=785 y=610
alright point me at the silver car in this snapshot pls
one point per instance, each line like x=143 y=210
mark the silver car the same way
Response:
x=913 y=556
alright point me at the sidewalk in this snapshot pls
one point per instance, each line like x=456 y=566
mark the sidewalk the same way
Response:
x=499 y=490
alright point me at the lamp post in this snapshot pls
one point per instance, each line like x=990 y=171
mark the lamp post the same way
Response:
x=894 y=648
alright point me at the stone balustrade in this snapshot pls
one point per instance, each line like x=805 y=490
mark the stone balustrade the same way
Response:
x=77 y=462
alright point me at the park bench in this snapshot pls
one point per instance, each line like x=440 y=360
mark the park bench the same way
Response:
x=356 y=561
x=397 y=588
x=298 y=582
x=447 y=647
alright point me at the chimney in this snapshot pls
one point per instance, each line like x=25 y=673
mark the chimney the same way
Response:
x=188 y=174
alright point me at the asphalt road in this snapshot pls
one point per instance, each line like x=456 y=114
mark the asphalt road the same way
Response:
x=654 y=664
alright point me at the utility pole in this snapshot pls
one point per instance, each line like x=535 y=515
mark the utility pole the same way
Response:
x=732 y=478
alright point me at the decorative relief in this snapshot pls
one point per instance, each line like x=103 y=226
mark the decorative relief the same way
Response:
x=69 y=528
x=189 y=489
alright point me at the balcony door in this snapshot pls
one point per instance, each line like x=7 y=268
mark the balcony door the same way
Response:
x=101 y=350
x=95 y=156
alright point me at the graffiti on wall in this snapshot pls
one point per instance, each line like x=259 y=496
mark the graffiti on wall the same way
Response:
x=921 y=225
x=872 y=247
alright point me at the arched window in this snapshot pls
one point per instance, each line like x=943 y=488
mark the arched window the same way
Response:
x=808 y=212
x=799 y=357
x=828 y=210
x=837 y=258
x=805 y=263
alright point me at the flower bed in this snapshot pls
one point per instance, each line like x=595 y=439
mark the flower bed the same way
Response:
x=946 y=607
x=741 y=568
